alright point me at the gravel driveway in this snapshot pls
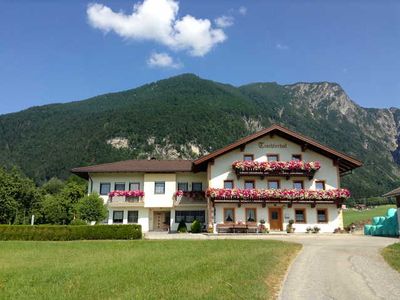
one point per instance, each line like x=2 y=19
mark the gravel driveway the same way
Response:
x=340 y=267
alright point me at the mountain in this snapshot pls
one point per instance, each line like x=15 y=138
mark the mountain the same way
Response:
x=186 y=116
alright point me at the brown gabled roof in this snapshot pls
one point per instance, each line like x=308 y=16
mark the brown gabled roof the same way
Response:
x=346 y=162
x=150 y=166
x=394 y=193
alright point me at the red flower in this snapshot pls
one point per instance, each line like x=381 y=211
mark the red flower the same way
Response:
x=282 y=194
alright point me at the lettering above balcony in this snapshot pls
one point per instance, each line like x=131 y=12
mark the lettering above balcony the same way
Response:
x=276 y=168
x=279 y=195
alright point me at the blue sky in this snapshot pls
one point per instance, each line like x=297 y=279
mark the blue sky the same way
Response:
x=58 y=51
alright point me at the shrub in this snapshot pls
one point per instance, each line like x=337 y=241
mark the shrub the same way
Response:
x=91 y=208
x=182 y=226
x=69 y=233
x=78 y=222
x=196 y=227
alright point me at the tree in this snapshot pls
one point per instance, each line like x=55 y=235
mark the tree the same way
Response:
x=19 y=197
x=91 y=208
x=53 y=186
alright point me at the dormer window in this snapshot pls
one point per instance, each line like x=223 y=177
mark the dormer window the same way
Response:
x=248 y=157
x=272 y=157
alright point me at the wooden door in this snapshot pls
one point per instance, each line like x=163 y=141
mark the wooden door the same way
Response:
x=161 y=220
x=275 y=218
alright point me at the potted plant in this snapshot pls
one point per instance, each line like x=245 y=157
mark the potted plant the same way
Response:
x=261 y=227
x=289 y=227
x=316 y=229
x=308 y=229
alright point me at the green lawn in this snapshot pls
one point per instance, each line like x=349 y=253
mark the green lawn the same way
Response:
x=352 y=216
x=176 y=269
x=392 y=255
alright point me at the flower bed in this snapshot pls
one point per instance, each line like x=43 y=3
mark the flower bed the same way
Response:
x=135 y=193
x=279 y=194
x=277 y=166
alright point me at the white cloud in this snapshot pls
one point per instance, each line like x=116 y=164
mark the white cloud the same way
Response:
x=281 y=47
x=224 y=21
x=156 y=20
x=242 y=10
x=162 y=60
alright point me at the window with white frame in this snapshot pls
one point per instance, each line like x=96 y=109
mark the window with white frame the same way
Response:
x=159 y=187
x=134 y=186
x=105 y=188
x=133 y=216
x=119 y=186
x=118 y=216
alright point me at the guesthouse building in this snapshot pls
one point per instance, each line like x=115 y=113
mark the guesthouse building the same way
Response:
x=270 y=178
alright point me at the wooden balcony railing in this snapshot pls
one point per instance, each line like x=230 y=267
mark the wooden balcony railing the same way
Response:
x=276 y=168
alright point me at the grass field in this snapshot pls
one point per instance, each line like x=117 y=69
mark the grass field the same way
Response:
x=392 y=255
x=353 y=216
x=219 y=269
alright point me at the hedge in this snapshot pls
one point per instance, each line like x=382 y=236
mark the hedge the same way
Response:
x=70 y=232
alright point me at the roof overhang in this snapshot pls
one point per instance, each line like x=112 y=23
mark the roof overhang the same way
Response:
x=394 y=193
x=345 y=162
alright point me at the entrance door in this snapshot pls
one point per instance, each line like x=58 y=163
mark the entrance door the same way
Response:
x=161 y=220
x=275 y=218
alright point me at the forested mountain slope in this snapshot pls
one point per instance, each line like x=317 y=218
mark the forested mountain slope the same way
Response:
x=186 y=116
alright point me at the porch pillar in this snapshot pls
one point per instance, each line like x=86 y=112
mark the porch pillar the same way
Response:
x=210 y=214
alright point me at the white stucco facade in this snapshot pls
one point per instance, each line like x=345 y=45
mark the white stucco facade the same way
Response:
x=163 y=210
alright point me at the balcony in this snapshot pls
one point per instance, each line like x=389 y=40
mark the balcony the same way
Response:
x=285 y=169
x=125 y=198
x=190 y=198
x=290 y=196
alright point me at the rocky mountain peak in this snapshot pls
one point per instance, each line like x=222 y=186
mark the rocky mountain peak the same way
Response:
x=325 y=96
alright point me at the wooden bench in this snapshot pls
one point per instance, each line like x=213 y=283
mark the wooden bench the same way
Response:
x=237 y=228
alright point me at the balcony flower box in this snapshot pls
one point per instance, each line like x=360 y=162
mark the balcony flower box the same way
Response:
x=127 y=194
x=276 y=168
x=277 y=194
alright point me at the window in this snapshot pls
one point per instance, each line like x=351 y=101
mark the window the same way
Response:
x=105 y=188
x=251 y=214
x=300 y=215
x=273 y=184
x=248 y=157
x=272 y=157
x=119 y=186
x=298 y=185
x=322 y=216
x=320 y=185
x=229 y=215
x=133 y=216
x=190 y=215
x=249 y=184
x=228 y=184
x=183 y=186
x=296 y=157
x=134 y=186
x=197 y=186
x=159 y=187
x=118 y=216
